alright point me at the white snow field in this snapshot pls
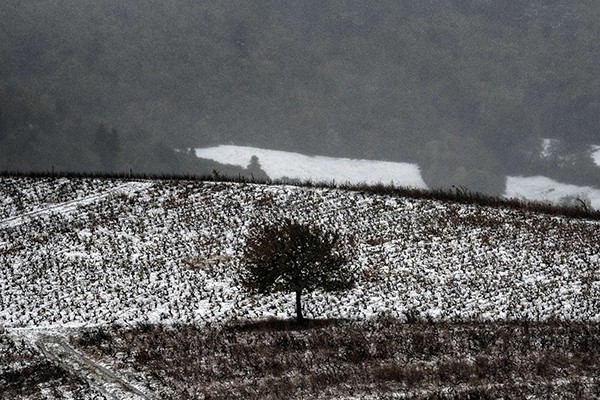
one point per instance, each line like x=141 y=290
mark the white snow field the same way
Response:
x=541 y=188
x=596 y=154
x=282 y=164
x=169 y=251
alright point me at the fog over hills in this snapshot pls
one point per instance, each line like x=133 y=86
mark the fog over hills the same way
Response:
x=467 y=90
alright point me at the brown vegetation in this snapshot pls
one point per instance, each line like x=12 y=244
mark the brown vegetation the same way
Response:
x=377 y=358
x=25 y=374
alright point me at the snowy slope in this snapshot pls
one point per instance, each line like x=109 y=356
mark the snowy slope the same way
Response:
x=541 y=188
x=281 y=164
x=169 y=251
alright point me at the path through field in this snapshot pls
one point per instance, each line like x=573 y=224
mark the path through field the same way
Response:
x=56 y=348
x=72 y=205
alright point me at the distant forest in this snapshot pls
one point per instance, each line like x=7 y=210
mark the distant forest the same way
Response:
x=465 y=88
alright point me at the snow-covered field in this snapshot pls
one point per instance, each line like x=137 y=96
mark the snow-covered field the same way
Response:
x=596 y=154
x=541 y=188
x=280 y=164
x=169 y=251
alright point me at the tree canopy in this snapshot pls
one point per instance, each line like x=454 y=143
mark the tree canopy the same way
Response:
x=295 y=258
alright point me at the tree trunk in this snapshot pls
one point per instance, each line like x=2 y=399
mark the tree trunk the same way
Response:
x=299 y=316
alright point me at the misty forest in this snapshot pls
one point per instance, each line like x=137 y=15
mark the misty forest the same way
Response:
x=470 y=90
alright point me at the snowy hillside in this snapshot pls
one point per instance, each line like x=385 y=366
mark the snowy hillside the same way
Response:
x=281 y=164
x=168 y=251
x=541 y=188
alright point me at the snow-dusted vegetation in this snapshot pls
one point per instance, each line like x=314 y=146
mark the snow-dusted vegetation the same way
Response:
x=20 y=196
x=169 y=251
x=147 y=272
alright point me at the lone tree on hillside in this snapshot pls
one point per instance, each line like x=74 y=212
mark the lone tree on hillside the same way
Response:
x=292 y=257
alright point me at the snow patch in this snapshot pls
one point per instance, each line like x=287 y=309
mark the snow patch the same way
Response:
x=282 y=164
x=541 y=188
x=596 y=154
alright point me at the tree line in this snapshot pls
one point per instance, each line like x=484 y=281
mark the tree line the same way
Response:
x=467 y=89
x=36 y=135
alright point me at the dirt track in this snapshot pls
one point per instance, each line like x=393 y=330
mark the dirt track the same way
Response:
x=105 y=381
